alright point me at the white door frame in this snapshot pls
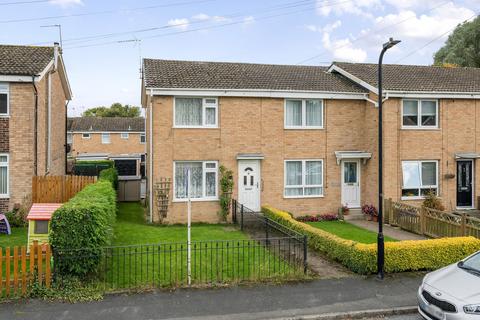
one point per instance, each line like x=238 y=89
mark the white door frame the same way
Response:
x=257 y=186
x=473 y=184
x=359 y=169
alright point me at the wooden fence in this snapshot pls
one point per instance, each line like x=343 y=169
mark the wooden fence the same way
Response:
x=430 y=222
x=19 y=269
x=58 y=189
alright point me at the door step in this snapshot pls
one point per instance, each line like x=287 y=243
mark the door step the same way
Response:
x=354 y=214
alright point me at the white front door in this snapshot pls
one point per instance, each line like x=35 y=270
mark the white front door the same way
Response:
x=249 y=180
x=351 y=183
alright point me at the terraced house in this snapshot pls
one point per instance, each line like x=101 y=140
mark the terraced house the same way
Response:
x=34 y=93
x=304 y=138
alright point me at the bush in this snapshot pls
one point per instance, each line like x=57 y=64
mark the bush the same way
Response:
x=432 y=201
x=17 y=218
x=399 y=256
x=81 y=227
x=111 y=175
x=318 y=217
x=369 y=210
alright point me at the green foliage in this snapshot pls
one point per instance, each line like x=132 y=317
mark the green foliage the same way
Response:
x=462 y=47
x=348 y=231
x=226 y=188
x=17 y=218
x=68 y=289
x=111 y=175
x=81 y=227
x=92 y=167
x=106 y=163
x=115 y=110
x=400 y=256
x=432 y=201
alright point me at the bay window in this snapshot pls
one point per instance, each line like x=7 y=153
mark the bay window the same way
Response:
x=203 y=179
x=303 y=114
x=4 y=175
x=419 y=178
x=196 y=112
x=303 y=178
x=420 y=114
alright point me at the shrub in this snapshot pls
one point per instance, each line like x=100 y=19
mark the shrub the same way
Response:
x=81 y=227
x=399 y=256
x=226 y=188
x=318 y=217
x=17 y=217
x=111 y=175
x=369 y=210
x=432 y=201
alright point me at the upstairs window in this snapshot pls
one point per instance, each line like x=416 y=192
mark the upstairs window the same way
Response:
x=85 y=135
x=105 y=138
x=4 y=103
x=124 y=135
x=419 y=177
x=69 y=138
x=421 y=114
x=303 y=114
x=196 y=112
x=142 y=138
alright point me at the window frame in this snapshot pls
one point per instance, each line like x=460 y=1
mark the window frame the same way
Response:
x=69 y=137
x=86 y=138
x=419 y=125
x=303 y=185
x=35 y=227
x=109 y=137
x=5 y=89
x=144 y=138
x=204 y=107
x=6 y=165
x=421 y=186
x=204 y=180
x=124 y=135
x=304 y=125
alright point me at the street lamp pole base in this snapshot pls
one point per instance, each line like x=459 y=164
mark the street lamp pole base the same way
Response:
x=381 y=256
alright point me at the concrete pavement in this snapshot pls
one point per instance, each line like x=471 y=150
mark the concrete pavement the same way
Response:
x=255 y=302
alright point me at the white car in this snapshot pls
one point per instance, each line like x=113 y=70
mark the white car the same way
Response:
x=453 y=292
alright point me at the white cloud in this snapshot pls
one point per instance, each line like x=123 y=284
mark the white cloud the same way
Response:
x=343 y=49
x=248 y=20
x=357 y=7
x=66 y=3
x=206 y=17
x=181 y=24
x=327 y=28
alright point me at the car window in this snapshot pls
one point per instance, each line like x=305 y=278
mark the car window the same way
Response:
x=473 y=262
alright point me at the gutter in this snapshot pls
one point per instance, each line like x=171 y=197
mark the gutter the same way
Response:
x=150 y=158
x=35 y=129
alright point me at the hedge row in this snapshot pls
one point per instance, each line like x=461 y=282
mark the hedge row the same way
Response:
x=111 y=175
x=399 y=256
x=81 y=227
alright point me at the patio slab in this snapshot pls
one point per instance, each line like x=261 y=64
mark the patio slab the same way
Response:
x=393 y=232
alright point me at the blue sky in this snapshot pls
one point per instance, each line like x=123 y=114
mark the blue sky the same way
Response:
x=103 y=66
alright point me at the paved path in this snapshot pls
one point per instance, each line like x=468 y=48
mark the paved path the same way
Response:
x=259 y=302
x=392 y=232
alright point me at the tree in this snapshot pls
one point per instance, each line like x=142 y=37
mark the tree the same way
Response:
x=115 y=110
x=462 y=47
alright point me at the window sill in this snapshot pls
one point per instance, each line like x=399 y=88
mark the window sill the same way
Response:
x=304 y=128
x=194 y=127
x=4 y=196
x=415 y=198
x=195 y=200
x=6 y=116
x=421 y=128
x=303 y=197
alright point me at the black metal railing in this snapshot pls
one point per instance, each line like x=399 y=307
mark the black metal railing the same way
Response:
x=258 y=225
x=212 y=262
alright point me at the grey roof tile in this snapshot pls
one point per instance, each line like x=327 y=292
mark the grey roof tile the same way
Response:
x=24 y=60
x=97 y=124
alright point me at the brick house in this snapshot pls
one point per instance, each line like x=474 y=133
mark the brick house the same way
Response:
x=304 y=138
x=34 y=93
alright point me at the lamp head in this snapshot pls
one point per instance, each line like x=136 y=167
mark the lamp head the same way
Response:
x=390 y=43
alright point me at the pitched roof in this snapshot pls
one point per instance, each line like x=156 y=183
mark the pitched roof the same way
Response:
x=24 y=60
x=226 y=75
x=96 y=124
x=417 y=78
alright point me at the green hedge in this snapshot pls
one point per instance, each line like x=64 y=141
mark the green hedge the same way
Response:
x=91 y=167
x=81 y=227
x=111 y=175
x=399 y=256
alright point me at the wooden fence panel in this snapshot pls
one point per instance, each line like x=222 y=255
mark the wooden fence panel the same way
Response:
x=16 y=276
x=58 y=189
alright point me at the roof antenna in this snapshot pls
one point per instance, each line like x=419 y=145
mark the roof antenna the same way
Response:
x=59 y=26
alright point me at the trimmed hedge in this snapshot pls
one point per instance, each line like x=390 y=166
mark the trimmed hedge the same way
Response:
x=111 y=175
x=81 y=227
x=399 y=256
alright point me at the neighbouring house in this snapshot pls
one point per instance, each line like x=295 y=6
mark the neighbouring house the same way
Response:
x=34 y=93
x=304 y=138
x=119 y=139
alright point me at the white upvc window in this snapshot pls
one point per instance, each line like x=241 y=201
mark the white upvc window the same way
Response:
x=69 y=137
x=142 y=138
x=195 y=112
x=419 y=114
x=105 y=137
x=4 y=175
x=4 y=99
x=419 y=178
x=303 y=114
x=85 y=135
x=124 y=135
x=203 y=180
x=303 y=178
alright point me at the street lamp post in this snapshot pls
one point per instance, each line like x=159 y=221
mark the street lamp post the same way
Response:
x=380 y=240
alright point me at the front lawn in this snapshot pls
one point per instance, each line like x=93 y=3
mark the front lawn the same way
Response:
x=17 y=238
x=348 y=231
